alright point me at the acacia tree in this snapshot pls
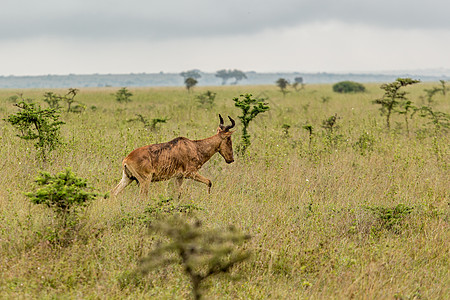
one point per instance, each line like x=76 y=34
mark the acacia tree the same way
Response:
x=228 y=74
x=282 y=84
x=298 y=81
x=191 y=73
x=190 y=83
x=393 y=96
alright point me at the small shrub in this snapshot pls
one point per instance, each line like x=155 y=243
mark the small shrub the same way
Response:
x=364 y=143
x=389 y=218
x=206 y=99
x=52 y=100
x=330 y=123
x=440 y=120
x=65 y=194
x=35 y=123
x=152 y=124
x=285 y=128
x=348 y=87
x=165 y=207
x=13 y=98
x=123 y=95
x=70 y=99
x=309 y=128
x=325 y=99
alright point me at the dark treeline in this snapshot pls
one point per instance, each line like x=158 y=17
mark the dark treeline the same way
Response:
x=206 y=79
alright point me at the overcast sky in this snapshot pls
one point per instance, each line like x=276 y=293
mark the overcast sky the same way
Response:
x=133 y=36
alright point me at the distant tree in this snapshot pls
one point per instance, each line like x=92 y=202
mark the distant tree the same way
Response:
x=238 y=76
x=191 y=73
x=228 y=74
x=190 y=83
x=224 y=75
x=298 y=81
x=348 y=87
x=282 y=84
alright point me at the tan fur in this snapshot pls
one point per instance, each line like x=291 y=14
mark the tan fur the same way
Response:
x=180 y=158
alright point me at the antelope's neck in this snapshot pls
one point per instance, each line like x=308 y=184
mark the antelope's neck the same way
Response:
x=208 y=147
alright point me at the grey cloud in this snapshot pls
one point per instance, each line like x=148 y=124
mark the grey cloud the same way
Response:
x=197 y=18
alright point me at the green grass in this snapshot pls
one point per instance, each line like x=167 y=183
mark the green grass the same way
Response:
x=317 y=214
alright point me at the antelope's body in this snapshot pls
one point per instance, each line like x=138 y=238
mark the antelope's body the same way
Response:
x=180 y=158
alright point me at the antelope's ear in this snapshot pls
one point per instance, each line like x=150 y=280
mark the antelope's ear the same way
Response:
x=227 y=133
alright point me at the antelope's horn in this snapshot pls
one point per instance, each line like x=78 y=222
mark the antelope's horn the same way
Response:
x=221 y=120
x=230 y=126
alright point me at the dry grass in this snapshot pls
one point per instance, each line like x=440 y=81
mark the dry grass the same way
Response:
x=306 y=208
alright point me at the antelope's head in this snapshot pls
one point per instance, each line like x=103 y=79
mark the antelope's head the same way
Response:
x=226 y=146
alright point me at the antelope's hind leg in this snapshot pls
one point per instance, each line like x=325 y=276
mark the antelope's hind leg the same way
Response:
x=144 y=186
x=124 y=182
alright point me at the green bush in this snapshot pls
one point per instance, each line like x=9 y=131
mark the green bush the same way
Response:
x=348 y=87
x=62 y=191
x=35 y=123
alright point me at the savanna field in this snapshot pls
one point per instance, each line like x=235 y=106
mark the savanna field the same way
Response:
x=353 y=210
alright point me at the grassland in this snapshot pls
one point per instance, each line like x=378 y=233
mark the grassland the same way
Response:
x=314 y=211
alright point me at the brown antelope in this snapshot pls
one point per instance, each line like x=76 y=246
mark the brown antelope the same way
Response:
x=180 y=158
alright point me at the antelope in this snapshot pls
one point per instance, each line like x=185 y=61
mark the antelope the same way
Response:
x=180 y=158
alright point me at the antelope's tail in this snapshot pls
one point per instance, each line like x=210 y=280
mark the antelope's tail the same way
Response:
x=131 y=173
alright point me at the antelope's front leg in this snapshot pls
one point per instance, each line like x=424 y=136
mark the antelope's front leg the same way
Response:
x=144 y=186
x=200 y=178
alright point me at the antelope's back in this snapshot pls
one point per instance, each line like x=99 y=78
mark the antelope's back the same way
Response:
x=164 y=159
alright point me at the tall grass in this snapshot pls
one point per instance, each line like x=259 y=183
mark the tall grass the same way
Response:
x=310 y=209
